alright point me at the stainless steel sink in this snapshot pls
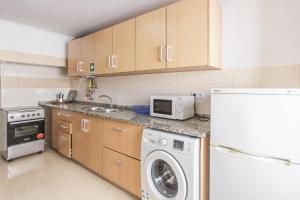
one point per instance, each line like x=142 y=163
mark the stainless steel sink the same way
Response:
x=101 y=109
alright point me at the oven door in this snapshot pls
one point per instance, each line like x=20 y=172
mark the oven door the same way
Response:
x=24 y=131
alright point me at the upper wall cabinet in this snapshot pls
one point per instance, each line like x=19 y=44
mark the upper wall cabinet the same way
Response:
x=73 y=57
x=115 y=48
x=185 y=35
x=103 y=51
x=151 y=40
x=80 y=55
x=194 y=34
x=123 y=59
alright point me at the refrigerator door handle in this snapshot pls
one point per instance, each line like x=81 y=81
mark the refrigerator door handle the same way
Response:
x=263 y=158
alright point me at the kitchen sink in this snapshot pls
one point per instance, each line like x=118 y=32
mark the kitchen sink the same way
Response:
x=101 y=109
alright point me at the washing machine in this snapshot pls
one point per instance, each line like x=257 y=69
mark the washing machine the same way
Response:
x=170 y=168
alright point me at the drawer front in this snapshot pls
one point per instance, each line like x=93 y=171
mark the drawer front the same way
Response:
x=65 y=127
x=64 y=144
x=122 y=170
x=64 y=115
x=122 y=137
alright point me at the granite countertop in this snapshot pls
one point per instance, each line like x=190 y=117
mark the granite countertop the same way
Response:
x=191 y=127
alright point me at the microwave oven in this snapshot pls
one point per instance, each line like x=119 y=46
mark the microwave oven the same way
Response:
x=172 y=107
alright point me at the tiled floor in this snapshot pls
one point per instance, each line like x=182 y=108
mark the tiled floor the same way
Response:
x=49 y=176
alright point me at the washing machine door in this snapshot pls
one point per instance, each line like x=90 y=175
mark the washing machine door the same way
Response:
x=163 y=178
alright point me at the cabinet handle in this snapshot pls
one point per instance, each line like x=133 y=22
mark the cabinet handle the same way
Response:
x=120 y=162
x=121 y=130
x=83 y=125
x=64 y=115
x=64 y=127
x=113 y=61
x=109 y=62
x=169 y=58
x=63 y=138
x=79 y=66
x=161 y=55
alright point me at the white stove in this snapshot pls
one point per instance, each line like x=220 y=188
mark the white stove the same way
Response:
x=22 y=131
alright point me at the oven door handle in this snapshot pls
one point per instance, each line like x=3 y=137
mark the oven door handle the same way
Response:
x=22 y=122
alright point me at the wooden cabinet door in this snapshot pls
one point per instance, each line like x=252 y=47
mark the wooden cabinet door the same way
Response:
x=187 y=33
x=55 y=128
x=87 y=55
x=93 y=148
x=124 y=46
x=122 y=170
x=151 y=40
x=73 y=57
x=64 y=144
x=103 y=51
x=123 y=137
x=78 y=139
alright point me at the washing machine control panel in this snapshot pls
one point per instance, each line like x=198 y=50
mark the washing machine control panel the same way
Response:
x=179 y=145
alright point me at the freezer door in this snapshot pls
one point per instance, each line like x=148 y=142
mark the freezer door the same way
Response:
x=264 y=124
x=241 y=177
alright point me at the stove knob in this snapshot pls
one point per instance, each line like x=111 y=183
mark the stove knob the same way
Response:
x=11 y=117
x=33 y=115
x=22 y=116
x=38 y=114
x=28 y=115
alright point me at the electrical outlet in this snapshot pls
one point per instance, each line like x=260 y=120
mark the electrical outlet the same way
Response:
x=198 y=95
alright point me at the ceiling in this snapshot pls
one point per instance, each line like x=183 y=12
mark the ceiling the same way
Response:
x=74 y=17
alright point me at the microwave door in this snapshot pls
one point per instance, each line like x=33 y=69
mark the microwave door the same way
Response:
x=163 y=107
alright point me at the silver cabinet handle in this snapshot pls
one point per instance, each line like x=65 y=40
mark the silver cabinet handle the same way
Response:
x=64 y=127
x=121 y=130
x=109 y=62
x=169 y=58
x=113 y=61
x=64 y=115
x=63 y=138
x=120 y=162
x=83 y=126
x=79 y=66
x=161 y=55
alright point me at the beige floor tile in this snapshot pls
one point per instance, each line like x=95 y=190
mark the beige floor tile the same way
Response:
x=49 y=176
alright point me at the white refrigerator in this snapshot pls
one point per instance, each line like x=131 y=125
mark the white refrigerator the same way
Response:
x=255 y=144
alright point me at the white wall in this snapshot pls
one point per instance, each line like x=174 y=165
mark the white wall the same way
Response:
x=18 y=37
x=260 y=33
x=25 y=85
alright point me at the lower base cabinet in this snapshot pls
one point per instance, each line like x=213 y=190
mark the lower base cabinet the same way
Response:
x=122 y=170
x=64 y=144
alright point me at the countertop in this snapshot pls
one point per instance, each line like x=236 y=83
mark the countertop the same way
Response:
x=191 y=127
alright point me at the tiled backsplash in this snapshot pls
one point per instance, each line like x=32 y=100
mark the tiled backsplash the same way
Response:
x=136 y=89
x=25 y=85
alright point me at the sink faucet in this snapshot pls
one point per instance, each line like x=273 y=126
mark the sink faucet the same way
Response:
x=109 y=98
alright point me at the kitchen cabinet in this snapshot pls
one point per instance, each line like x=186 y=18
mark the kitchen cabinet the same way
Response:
x=182 y=36
x=64 y=144
x=80 y=55
x=122 y=137
x=193 y=38
x=86 y=142
x=103 y=51
x=122 y=170
x=151 y=40
x=73 y=57
x=87 y=54
x=60 y=119
x=123 y=59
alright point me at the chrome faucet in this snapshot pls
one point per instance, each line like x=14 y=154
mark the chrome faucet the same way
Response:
x=109 y=98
